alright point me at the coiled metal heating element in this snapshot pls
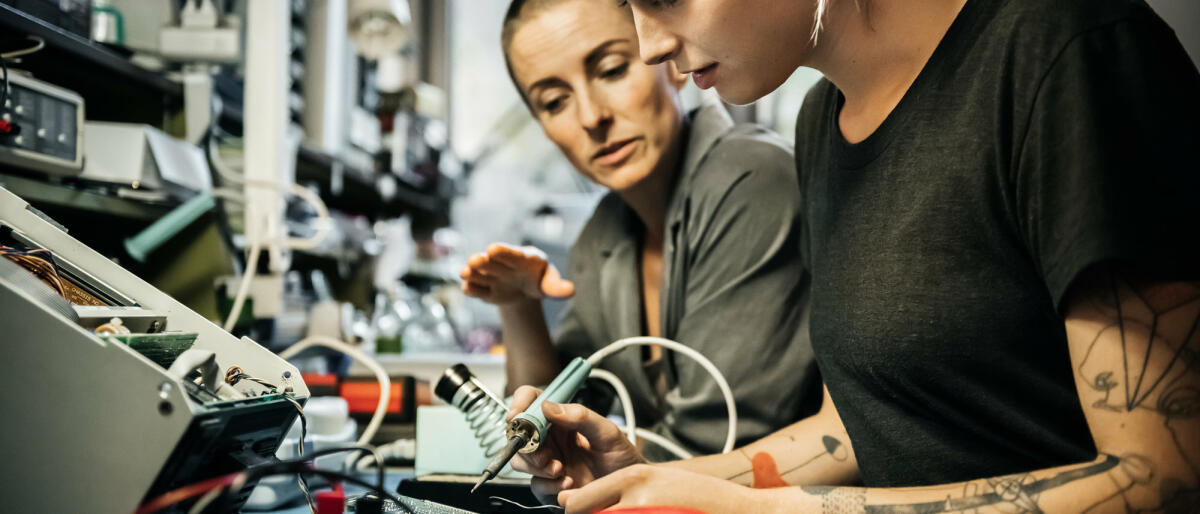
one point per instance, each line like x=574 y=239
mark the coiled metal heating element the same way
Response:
x=484 y=411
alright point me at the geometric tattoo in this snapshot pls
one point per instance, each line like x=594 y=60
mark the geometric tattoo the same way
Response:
x=1163 y=378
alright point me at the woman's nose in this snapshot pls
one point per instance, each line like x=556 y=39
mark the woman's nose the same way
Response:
x=593 y=115
x=656 y=43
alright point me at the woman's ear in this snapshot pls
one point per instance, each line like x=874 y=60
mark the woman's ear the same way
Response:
x=677 y=80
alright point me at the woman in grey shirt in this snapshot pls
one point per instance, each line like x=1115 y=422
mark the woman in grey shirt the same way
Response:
x=697 y=241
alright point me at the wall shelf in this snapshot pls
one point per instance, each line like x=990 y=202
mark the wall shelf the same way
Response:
x=113 y=88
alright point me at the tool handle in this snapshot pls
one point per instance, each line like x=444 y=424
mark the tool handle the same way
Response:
x=560 y=390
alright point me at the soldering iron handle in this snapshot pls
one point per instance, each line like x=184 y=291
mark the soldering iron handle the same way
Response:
x=560 y=390
x=564 y=386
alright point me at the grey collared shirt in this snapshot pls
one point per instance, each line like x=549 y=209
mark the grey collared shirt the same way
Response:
x=733 y=288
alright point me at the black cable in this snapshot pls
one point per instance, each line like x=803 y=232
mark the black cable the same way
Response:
x=4 y=91
x=299 y=466
x=299 y=447
x=338 y=476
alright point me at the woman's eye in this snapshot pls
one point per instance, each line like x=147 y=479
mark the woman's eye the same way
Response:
x=654 y=4
x=614 y=72
x=553 y=106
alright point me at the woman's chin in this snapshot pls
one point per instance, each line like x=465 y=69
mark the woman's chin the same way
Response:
x=621 y=182
x=743 y=93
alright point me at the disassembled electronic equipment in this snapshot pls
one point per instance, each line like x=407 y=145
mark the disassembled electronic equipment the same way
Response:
x=109 y=377
x=528 y=429
x=41 y=126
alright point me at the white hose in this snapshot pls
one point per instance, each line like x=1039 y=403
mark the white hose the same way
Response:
x=385 y=384
x=244 y=286
x=623 y=395
x=708 y=366
x=323 y=222
x=667 y=444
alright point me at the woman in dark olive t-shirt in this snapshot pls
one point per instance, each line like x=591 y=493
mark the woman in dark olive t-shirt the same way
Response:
x=1000 y=209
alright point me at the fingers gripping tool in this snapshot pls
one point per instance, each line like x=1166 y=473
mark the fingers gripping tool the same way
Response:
x=527 y=430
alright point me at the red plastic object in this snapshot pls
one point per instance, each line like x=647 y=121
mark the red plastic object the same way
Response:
x=320 y=379
x=363 y=397
x=652 y=510
x=6 y=127
x=331 y=502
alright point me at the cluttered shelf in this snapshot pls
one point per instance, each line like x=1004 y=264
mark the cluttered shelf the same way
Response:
x=42 y=193
x=351 y=190
x=115 y=88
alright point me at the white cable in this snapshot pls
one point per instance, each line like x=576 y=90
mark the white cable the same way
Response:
x=708 y=366
x=205 y=500
x=385 y=384
x=244 y=287
x=41 y=43
x=623 y=395
x=667 y=444
x=222 y=169
x=631 y=427
x=323 y=222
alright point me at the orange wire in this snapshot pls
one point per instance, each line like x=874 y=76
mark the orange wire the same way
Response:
x=187 y=492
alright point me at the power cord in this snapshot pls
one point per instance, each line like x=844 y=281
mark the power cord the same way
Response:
x=385 y=384
x=300 y=453
x=229 y=486
x=623 y=393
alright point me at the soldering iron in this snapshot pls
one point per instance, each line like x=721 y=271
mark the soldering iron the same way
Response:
x=527 y=430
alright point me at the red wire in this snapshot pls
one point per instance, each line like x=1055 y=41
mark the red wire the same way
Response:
x=186 y=492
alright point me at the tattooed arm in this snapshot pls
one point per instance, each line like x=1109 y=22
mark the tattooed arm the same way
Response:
x=1135 y=350
x=815 y=450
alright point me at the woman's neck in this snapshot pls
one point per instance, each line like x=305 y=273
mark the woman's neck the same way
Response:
x=874 y=53
x=650 y=197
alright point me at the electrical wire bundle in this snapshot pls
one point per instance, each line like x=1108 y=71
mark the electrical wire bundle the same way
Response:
x=39 y=262
x=218 y=491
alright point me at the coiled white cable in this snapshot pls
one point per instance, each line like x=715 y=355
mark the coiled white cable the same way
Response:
x=730 y=404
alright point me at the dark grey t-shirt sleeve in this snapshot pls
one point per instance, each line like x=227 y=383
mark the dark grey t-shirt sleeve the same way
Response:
x=1109 y=170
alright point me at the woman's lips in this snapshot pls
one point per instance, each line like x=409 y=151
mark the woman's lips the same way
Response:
x=614 y=153
x=705 y=77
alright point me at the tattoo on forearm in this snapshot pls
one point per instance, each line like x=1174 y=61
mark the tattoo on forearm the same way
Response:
x=833 y=448
x=1018 y=493
x=839 y=500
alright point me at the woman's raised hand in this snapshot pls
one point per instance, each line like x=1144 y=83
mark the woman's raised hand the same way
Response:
x=506 y=274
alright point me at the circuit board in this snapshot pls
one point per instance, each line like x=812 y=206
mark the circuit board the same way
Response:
x=161 y=348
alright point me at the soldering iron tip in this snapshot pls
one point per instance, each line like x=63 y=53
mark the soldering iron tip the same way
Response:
x=482 y=479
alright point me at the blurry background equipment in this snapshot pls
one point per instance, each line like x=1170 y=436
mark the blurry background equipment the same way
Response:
x=379 y=28
x=141 y=157
x=41 y=125
x=140 y=399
